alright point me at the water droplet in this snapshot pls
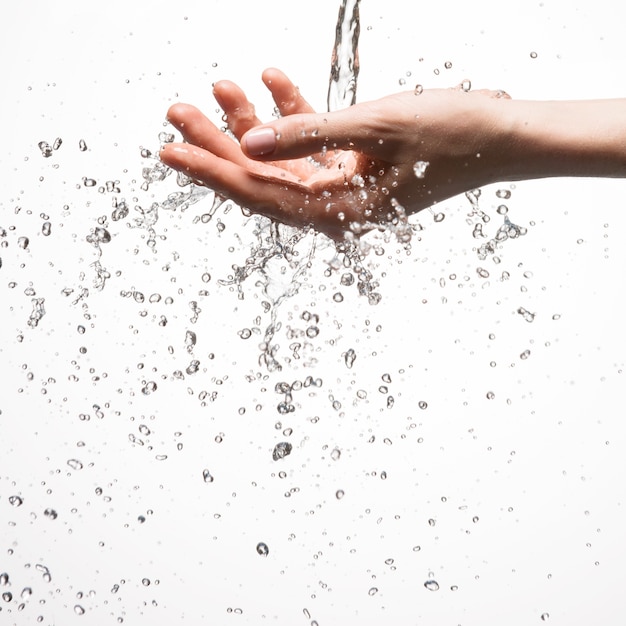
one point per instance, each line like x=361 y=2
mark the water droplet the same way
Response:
x=79 y=610
x=340 y=493
x=466 y=85
x=373 y=591
x=15 y=501
x=82 y=146
x=422 y=404
x=7 y=596
x=420 y=167
x=149 y=388
x=349 y=357
x=335 y=454
x=4 y=579
x=206 y=476
x=533 y=55
x=75 y=464
x=46 y=229
x=490 y=395
x=46 y=148
x=145 y=582
x=431 y=585
x=545 y=617
x=281 y=450
x=527 y=315
x=418 y=90
x=50 y=513
x=23 y=242
x=262 y=549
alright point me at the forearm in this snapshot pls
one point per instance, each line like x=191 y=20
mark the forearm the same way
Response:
x=568 y=138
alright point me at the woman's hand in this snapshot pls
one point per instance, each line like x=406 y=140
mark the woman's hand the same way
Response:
x=345 y=169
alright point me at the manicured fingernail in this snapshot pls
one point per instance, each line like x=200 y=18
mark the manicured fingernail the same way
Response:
x=260 y=141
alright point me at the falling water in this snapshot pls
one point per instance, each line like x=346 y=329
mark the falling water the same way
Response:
x=344 y=69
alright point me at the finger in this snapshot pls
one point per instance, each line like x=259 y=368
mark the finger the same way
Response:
x=362 y=127
x=286 y=95
x=239 y=112
x=233 y=180
x=267 y=190
x=198 y=130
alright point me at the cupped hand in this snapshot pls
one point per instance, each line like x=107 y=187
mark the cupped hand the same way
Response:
x=344 y=170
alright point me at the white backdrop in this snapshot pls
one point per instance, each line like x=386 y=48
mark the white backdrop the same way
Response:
x=468 y=444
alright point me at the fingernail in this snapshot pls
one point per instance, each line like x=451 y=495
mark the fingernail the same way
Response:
x=260 y=141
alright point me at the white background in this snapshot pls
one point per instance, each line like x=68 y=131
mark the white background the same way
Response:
x=525 y=491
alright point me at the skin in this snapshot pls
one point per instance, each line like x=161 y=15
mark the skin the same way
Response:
x=349 y=167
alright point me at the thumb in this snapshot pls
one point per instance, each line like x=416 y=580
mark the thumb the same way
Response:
x=306 y=134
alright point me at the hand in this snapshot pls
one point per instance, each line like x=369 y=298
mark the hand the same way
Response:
x=341 y=170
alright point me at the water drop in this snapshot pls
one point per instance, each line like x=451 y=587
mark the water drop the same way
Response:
x=206 y=476
x=431 y=585
x=373 y=591
x=281 y=450
x=262 y=549
x=420 y=167
x=46 y=229
x=340 y=493
x=82 y=146
x=75 y=464
x=15 y=501
x=50 y=513
x=79 y=610
x=349 y=357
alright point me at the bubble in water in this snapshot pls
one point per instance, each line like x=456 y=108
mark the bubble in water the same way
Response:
x=206 y=476
x=420 y=167
x=262 y=549
x=431 y=585
x=281 y=450
x=505 y=194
